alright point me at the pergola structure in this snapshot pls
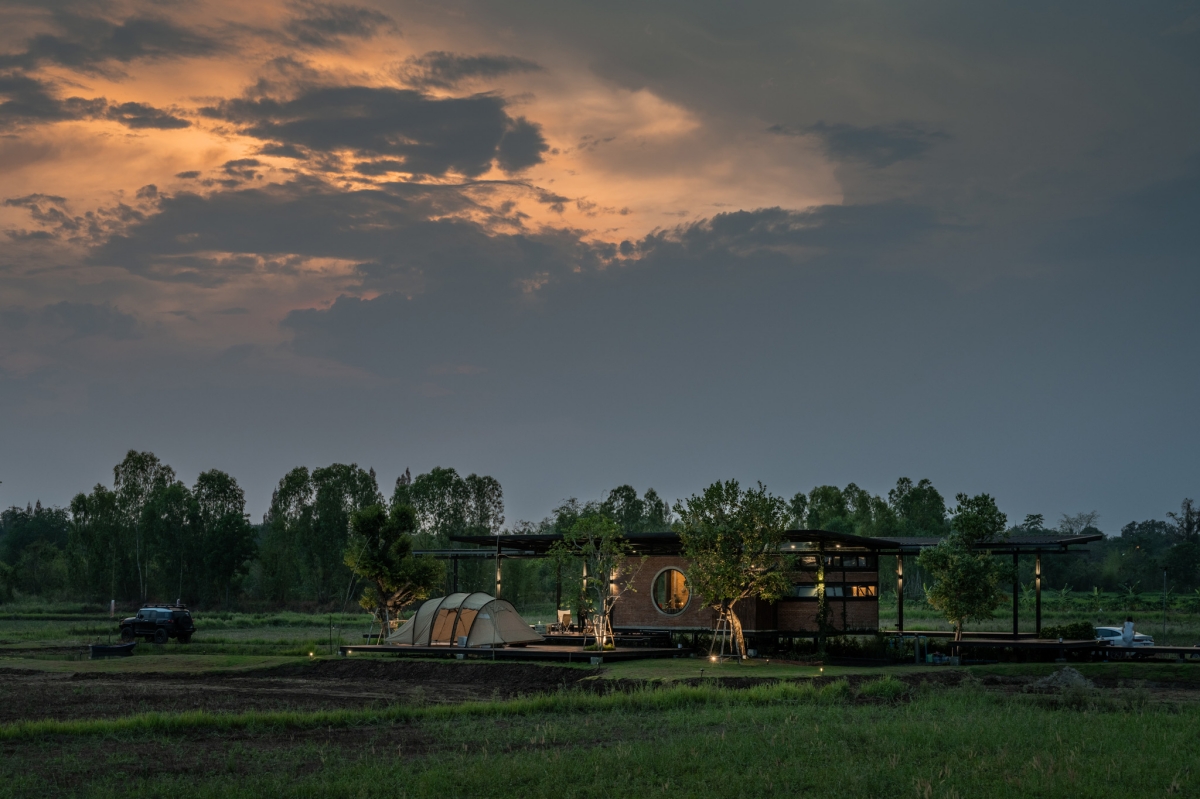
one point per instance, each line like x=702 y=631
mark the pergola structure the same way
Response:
x=1036 y=545
x=668 y=544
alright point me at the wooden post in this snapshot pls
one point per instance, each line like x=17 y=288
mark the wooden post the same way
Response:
x=900 y=591
x=1037 y=589
x=1016 y=594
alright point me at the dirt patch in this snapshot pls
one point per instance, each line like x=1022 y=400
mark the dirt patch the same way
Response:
x=1061 y=680
x=322 y=685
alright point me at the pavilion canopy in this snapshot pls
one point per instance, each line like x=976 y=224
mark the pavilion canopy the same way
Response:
x=479 y=618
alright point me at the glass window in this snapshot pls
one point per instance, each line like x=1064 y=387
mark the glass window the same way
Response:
x=670 y=592
x=833 y=590
x=863 y=590
x=806 y=591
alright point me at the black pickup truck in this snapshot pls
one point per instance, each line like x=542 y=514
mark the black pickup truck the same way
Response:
x=159 y=623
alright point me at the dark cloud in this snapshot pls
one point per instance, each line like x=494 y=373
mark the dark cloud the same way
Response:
x=29 y=100
x=91 y=43
x=442 y=70
x=140 y=115
x=191 y=174
x=85 y=319
x=877 y=146
x=432 y=136
x=327 y=24
x=830 y=231
x=50 y=212
x=395 y=233
x=282 y=151
x=243 y=168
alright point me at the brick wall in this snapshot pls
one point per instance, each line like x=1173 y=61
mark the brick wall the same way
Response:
x=800 y=615
x=637 y=609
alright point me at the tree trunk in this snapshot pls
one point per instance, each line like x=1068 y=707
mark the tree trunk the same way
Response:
x=736 y=624
x=958 y=625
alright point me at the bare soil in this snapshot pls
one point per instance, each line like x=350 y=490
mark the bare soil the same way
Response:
x=28 y=694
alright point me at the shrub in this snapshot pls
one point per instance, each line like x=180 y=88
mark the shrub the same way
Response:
x=1078 y=630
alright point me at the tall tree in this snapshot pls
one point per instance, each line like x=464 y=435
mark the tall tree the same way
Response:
x=966 y=580
x=1075 y=524
x=225 y=535
x=380 y=551
x=340 y=490
x=21 y=527
x=733 y=539
x=485 y=505
x=285 y=527
x=169 y=536
x=98 y=561
x=135 y=479
x=827 y=509
x=920 y=509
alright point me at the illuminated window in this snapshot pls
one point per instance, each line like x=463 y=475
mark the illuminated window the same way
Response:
x=670 y=592
x=863 y=590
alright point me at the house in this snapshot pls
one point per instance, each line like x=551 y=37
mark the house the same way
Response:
x=662 y=599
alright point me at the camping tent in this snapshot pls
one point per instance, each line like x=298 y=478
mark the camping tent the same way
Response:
x=480 y=619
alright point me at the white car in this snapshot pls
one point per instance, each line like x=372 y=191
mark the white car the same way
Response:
x=1114 y=637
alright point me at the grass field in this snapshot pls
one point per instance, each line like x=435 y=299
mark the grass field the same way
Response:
x=269 y=720
x=782 y=740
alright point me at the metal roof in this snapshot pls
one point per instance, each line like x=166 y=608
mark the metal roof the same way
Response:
x=668 y=543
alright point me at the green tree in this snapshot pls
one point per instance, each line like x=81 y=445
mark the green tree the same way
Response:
x=733 y=540
x=919 y=508
x=306 y=529
x=21 y=527
x=135 y=480
x=608 y=563
x=284 y=528
x=224 y=532
x=647 y=514
x=98 y=562
x=169 y=536
x=966 y=579
x=380 y=551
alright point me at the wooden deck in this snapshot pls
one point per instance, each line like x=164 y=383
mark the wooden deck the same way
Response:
x=550 y=652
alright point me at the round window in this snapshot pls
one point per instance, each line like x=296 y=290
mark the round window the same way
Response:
x=670 y=592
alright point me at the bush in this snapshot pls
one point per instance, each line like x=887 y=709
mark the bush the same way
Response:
x=1077 y=631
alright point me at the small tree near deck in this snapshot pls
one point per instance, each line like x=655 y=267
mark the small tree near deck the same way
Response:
x=610 y=566
x=380 y=551
x=966 y=581
x=733 y=539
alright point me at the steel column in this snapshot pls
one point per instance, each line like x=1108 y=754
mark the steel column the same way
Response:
x=1016 y=594
x=900 y=592
x=497 y=567
x=1037 y=590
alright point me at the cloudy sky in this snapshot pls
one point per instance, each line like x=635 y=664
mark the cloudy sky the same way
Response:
x=574 y=245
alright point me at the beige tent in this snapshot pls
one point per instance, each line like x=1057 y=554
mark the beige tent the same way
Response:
x=465 y=620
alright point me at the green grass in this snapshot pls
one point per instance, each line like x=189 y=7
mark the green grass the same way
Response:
x=771 y=741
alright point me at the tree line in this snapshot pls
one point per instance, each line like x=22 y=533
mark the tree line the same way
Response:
x=150 y=536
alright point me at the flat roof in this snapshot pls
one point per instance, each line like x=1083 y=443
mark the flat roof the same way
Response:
x=668 y=543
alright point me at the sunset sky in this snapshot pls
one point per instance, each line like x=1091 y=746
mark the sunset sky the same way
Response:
x=574 y=245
